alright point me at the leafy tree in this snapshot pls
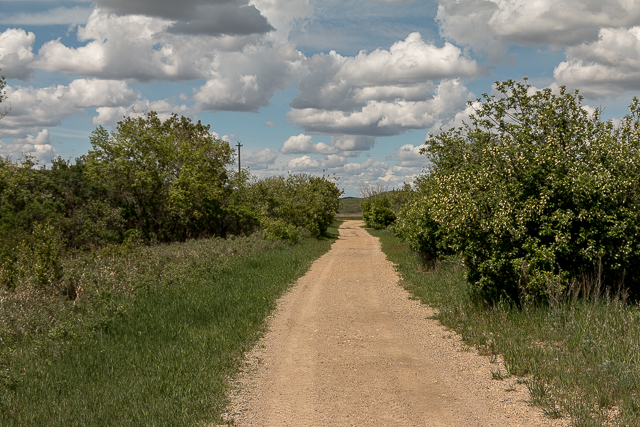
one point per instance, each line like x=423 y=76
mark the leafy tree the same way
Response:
x=380 y=206
x=169 y=178
x=376 y=211
x=89 y=220
x=536 y=193
x=285 y=206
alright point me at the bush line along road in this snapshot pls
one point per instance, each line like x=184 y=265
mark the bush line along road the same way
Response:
x=133 y=280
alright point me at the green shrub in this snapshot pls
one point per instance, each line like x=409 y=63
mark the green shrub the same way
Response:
x=377 y=212
x=535 y=193
x=380 y=206
x=416 y=226
x=278 y=229
x=285 y=205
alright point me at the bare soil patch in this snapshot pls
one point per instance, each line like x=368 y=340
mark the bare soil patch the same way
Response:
x=347 y=347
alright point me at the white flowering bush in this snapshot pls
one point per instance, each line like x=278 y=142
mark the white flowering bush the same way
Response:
x=535 y=193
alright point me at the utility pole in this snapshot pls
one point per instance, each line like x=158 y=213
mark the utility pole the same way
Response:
x=239 y=145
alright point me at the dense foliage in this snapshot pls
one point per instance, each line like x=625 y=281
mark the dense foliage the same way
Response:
x=415 y=223
x=379 y=206
x=168 y=178
x=537 y=194
x=285 y=207
x=149 y=180
x=377 y=212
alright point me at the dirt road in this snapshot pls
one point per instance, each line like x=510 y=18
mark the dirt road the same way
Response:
x=346 y=347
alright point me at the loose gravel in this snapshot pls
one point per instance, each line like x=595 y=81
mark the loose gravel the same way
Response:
x=348 y=347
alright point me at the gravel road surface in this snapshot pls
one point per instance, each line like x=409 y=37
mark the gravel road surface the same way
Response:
x=347 y=347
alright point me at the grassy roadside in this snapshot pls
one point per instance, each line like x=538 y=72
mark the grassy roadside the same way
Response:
x=150 y=347
x=578 y=358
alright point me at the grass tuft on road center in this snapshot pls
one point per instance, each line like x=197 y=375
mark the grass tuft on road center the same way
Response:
x=579 y=358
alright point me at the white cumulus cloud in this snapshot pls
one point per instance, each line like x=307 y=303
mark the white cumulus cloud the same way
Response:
x=245 y=80
x=491 y=25
x=302 y=144
x=385 y=92
x=608 y=66
x=33 y=109
x=409 y=61
x=132 y=47
x=260 y=159
x=16 y=53
x=343 y=145
x=38 y=146
x=380 y=118
x=304 y=164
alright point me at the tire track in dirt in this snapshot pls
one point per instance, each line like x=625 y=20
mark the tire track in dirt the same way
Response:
x=347 y=347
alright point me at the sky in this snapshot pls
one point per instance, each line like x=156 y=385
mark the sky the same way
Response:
x=350 y=88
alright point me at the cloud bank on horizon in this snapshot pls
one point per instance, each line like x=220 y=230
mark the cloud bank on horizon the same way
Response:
x=314 y=86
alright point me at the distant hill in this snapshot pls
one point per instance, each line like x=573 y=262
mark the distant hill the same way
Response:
x=349 y=207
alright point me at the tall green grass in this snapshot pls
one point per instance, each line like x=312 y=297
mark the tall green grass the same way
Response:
x=152 y=349
x=579 y=357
